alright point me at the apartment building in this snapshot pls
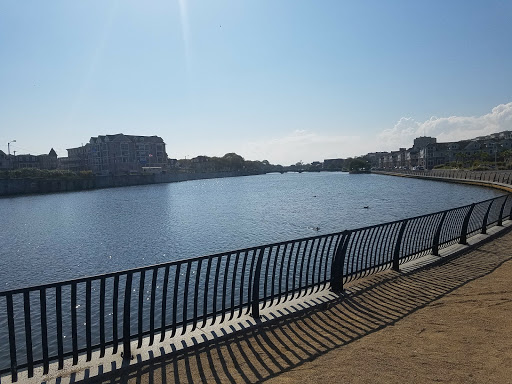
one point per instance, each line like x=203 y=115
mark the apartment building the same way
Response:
x=118 y=154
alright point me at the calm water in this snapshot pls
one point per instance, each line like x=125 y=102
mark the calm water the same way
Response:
x=56 y=237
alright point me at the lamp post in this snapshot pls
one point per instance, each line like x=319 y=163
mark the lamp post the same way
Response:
x=9 y=146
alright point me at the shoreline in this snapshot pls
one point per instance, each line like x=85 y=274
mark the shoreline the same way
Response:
x=33 y=186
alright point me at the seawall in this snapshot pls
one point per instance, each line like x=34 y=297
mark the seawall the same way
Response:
x=499 y=180
x=13 y=187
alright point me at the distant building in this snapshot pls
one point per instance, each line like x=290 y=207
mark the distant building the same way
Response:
x=375 y=158
x=4 y=161
x=423 y=141
x=48 y=161
x=118 y=154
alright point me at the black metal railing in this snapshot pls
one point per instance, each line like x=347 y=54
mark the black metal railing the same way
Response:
x=53 y=322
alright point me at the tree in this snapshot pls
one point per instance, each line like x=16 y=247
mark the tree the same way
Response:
x=359 y=164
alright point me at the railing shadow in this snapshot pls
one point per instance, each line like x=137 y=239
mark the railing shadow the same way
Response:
x=368 y=306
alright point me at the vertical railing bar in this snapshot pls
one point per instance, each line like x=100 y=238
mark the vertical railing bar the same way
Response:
x=185 y=297
x=296 y=264
x=409 y=239
x=426 y=235
x=127 y=350
x=266 y=275
x=102 y=317
x=44 y=330
x=288 y=268
x=152 y=306
x=249 y=293
x=216 y=289
x=398 y=244
x=389 y=254
x=225 y=287
x=302 y=262
x=164 y=301
x=429 y=236
x=205 y=290
x=435 y=243
x=387 y=236
x=74 y=323
x=196 y=293
x=60 y=339
x=464 y=230
x=347 y=260
x=256 y=289
x=323 y=255
x=12 y=338
x=382 y=243
x=326 y=265
x=500 y=218
x=175 y=300
x=366 y=259
x=354 y=250
x=308 y=264
x=88 y=319
x=274 y=274
x=313 y=274
x=233 y=285
x=486 y=218
x=318 y=256
x=372 y=252
x=28 y=333
x=242 y=282
x=281 y=270
x=424 y=232
x=115 y=297
x=413 y=247
x=338 y=262
x=379 y=235
x=140 y=309
x=416 y=228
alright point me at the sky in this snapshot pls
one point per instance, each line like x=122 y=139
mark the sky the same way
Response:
x=277 y=80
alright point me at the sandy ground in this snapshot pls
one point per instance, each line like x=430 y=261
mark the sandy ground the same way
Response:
x=448 y=323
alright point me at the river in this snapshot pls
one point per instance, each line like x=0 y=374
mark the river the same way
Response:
x=47 y=238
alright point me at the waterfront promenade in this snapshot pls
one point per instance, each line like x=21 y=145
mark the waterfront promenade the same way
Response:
x=447 y=322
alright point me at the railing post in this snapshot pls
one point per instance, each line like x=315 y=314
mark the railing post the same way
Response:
x=437 y=236
x=486 y=217
x=127 y=351
x=255 y=304
x=464 y=231
x=398 y=245
x=500 y=217
x=338 y=262
x=12 y=338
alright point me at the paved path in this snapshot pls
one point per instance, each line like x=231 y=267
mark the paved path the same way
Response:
x=447 y=323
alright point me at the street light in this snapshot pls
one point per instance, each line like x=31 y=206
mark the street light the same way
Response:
x=9 y=146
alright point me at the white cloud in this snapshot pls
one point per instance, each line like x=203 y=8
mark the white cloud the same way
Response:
x=445 y=129
x=303 y=145
x=309 y=145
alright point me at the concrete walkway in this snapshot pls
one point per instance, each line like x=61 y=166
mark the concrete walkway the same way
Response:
x=447 y=322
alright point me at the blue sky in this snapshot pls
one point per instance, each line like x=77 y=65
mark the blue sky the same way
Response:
x=277 y=80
